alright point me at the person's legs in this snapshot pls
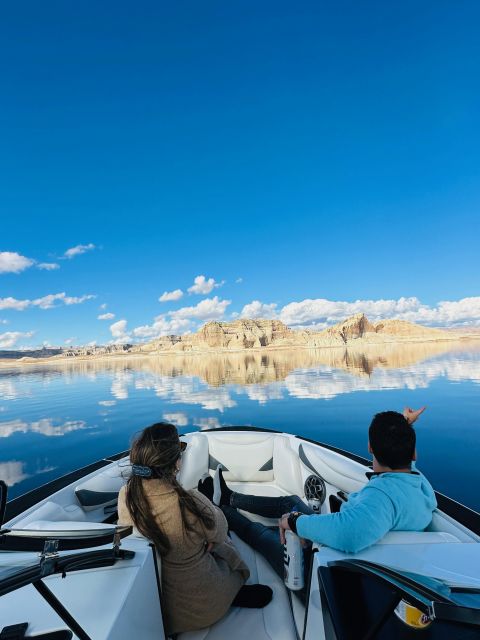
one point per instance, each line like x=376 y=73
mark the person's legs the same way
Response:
x=266 y=541
x=263 y=539
x=269 y=507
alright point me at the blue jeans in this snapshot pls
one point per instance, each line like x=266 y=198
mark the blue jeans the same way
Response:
x=265 y=540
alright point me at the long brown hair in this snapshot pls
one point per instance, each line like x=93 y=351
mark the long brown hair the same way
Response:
x=156 y=449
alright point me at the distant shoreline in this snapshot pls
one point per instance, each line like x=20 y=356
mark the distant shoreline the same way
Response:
x=359 y=344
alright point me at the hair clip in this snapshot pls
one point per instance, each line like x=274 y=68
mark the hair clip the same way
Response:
x=141 y=471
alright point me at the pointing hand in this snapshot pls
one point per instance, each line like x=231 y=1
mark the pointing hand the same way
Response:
x=411 y=415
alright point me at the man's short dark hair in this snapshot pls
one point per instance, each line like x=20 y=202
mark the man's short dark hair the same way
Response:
x=392 y=439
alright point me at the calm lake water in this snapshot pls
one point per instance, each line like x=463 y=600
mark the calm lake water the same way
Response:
x=55 y=418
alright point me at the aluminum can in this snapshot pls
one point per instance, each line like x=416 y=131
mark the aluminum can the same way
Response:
x=293 y=562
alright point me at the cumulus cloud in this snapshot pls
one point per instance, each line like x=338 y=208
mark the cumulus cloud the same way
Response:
x=207 y=309
x=78 y=250
x=322 y=312
x=13 y=262
x=106 y=316
x=168 y=296
x=163 y=325
x=48 y=266
x=119 y=331
x=181 y=320
x=202 y=286
x=257 y=309
x=45 y=302
x=48 y=302
x=10 y=338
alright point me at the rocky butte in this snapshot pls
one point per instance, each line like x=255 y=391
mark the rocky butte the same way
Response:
x=258 y=334
x=355 y=332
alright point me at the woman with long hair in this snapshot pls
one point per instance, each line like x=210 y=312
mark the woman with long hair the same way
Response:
x=202 y=572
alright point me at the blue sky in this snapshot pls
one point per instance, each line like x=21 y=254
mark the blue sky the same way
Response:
x=324 y=153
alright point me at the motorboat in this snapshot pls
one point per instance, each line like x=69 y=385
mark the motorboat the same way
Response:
x=67 y=570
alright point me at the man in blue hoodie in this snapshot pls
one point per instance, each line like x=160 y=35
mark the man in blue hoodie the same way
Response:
x=397 y=497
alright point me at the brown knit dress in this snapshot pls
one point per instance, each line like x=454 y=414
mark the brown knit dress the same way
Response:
x=197 y=587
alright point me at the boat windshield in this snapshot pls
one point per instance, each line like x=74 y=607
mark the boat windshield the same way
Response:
x=8 y=569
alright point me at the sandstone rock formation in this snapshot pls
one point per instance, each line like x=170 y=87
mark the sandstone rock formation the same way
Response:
x=355 y=332
x=269 y=334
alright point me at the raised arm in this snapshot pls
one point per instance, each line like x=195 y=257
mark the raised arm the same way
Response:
x=412 y=415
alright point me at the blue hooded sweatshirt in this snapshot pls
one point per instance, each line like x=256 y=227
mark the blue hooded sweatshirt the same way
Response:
x=389 y=502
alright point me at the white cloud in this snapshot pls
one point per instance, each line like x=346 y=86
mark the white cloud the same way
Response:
x=238 y=280
x=70 y=340
x=181 y=320
x=78 y=250
x=10 y=338
x=257 y=309
x=103 y=306
x=106 y=316
x=162 y=326
x=119 y=331
x=13 y=303
x=48 y=302
x=2 y=321
x=107 y=403
x=13 y=262
x=202 y=286
x=168 y=296
x=207 y=309
x=48 y=266
x=45 y=302
x=179 y=418
x=322 y=312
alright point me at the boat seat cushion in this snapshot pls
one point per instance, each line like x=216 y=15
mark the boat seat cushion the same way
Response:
x=102 y=490
x=273 y=622
x=247 y=458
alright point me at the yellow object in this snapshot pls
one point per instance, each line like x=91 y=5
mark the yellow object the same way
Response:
x=411 y=616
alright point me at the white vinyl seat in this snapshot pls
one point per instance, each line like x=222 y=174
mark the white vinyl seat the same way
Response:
x=261 y=464
x=417 y=537
x=101 y=491
x=273 y=622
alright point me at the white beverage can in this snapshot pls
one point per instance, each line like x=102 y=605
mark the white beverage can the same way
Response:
x=293 y=562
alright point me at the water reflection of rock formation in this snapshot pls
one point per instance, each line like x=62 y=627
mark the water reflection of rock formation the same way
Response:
x=248 y=368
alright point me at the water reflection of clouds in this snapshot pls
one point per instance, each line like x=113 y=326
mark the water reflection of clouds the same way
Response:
x=8 y=389
x=187 y=390
x=13 y=472
x=313 y=382
x=178 y=418
x=119 y=388
x=45 y=427
x=207 y=423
